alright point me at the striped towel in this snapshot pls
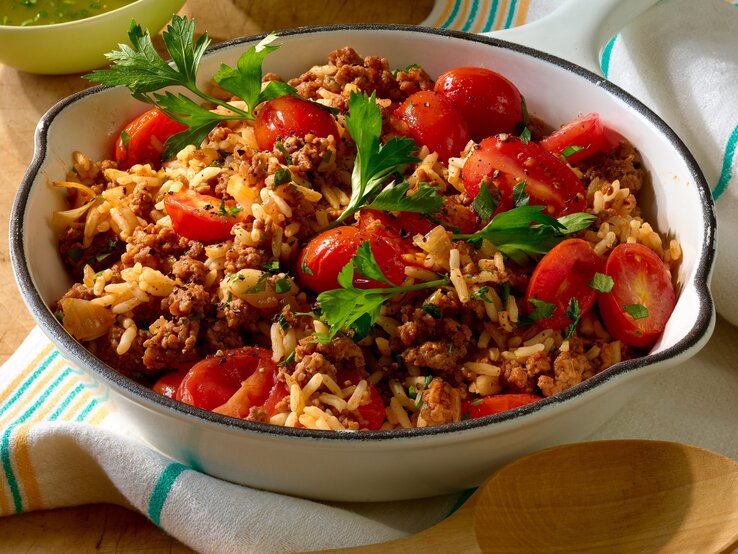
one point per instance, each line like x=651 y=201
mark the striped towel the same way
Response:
x=63 y=443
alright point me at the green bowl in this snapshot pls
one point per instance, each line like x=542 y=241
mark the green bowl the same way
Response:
x=79 y=46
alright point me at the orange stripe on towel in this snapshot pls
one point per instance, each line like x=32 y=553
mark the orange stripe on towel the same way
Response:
x=522 y=15
x=24 y=469
x=28 y=369
x=444 y=14
x=50 y=373
x=501 y=15
x=481 y=16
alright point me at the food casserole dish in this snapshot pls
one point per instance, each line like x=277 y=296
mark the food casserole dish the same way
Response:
x=393 y=464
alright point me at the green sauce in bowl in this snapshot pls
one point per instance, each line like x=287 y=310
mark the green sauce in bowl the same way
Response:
x=48 y=12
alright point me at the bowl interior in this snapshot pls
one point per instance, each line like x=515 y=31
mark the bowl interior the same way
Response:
x=676 y=203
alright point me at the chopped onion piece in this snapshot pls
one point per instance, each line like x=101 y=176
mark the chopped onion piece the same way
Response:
x=85 y=320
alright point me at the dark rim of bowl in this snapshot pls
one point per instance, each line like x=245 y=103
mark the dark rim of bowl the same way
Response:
x=67 y=344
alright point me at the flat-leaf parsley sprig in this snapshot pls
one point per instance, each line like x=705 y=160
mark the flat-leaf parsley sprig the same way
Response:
x=143 y=71
x=526 y=232
x=376 y=162
x=358 y=309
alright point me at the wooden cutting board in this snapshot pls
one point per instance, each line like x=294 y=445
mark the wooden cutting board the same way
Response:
x=23 y=100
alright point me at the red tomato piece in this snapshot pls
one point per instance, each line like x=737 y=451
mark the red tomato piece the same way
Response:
x=562 y=274
x=372 y=413
x=641 y=279
x=142 y=140
x=495 y=404
x=276 y=395
x=435 y=122
x=322 y=259
x=586 y=132
x=291 y=116
x=489 y=102
x=201 y=217
x=168 y=384
x=506 y=160
x=211 y=382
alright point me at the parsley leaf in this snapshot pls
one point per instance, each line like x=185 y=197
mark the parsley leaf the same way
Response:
x=358 y=309
x=143 y=71
x=520 y=196
x=432 y=310
x=601 y=282
x=638 y=311
x=245 y=80
x=375 y=162
x=484 y=204
x=571 y=149
x=541 y=309
x=525 y=135
x=394 y=198
x=525 y=232
x=573 y=312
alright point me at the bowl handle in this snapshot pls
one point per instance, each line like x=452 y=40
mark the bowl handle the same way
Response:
x=577 y=30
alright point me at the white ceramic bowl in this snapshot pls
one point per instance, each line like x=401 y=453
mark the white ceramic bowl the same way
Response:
x=399 y=464
x=78 y=46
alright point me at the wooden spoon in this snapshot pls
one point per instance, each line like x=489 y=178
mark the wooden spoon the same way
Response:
x=608 y=496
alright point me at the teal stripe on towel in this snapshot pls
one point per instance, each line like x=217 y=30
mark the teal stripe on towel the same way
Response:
x=5 y=443
x=472 y=16
x=161 y=490
x=726 y=174
x=28 y=382
x=452 y=16
x=71 y=396
x=510 y=14
x=491 y=17
x=606 y=53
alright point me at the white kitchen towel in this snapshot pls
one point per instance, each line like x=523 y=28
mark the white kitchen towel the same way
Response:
x=63 y=444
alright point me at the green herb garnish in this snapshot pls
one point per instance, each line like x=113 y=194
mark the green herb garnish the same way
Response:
x=572 y=149
x=526 y=232
x=287 y=157
x=637 y=311
x=375 y=162
x=282 y=176
x=573 y=312
x=282 y=285
x=288 y=360
x=601 y=282
x=520 y=196
x=525 y=135
x=432 y=310
x=541 y=309
x=358 y=309
x=394 y=198
x=143 y=71
x=484 y=204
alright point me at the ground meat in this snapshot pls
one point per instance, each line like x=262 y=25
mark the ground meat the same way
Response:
x=427 y=340
x=78 y=290
x=104 y=249
x=309 y=153
x=414 y=79
x=142 y=202
x=174 y=343
x=189 y=270
x=623 y=164
x=130 y=363
x=219 y=336
x=258 y=414
x=187 y=300
x=314 y=357
x=155 y=246
x=523 y=377
x=441 y=404
x=570 y=368
x=239 y=314
x=245 y=257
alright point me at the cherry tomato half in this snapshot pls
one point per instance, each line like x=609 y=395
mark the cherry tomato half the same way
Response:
x=495 y=404
x=434 y=121
x=641 y=281
x=488 y=101
x=322 y=259
x=506 y=160
x=586 y=132
x=168 y=384
x=211 y=382
x=291 y=116
x=562 y=274
x=201 y=217
x=142 y=140
x=372 y=413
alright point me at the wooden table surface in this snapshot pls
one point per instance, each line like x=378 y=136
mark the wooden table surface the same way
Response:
x=23 y=100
